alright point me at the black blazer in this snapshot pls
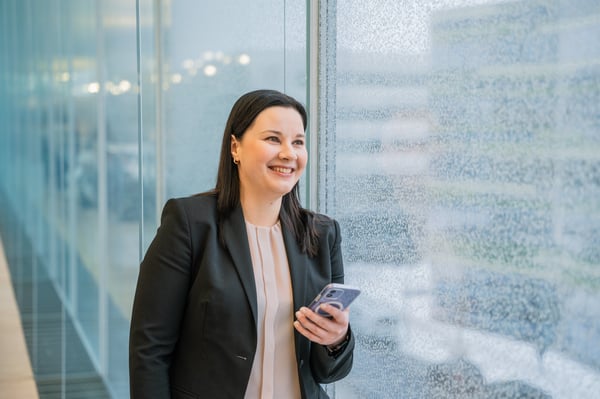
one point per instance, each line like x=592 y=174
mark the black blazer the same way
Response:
x=193 y=330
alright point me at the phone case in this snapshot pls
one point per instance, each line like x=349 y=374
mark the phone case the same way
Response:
x=338 y=295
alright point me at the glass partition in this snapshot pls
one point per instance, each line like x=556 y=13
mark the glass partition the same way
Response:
x=466 y=160
x=108 y=108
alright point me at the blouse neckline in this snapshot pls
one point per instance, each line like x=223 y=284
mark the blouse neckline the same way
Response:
x=277 y=225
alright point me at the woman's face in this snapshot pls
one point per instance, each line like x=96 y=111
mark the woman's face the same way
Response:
x=271 y=153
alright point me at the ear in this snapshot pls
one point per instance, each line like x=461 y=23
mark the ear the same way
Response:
x=234 y=147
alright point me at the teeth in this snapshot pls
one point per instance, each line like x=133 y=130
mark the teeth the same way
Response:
x=282 y=170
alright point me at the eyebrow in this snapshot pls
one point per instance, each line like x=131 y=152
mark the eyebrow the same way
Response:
x=277 y=132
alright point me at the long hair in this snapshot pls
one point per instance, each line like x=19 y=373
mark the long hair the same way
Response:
x=243 y=113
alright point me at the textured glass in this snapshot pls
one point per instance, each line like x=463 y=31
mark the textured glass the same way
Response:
x=467 y=178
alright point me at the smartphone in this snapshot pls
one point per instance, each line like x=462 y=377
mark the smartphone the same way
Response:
x=338 y=295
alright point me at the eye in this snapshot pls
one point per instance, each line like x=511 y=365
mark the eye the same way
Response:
x=274 y=139
x=299 y=142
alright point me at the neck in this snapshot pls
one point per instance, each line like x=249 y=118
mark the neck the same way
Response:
x=261 y=212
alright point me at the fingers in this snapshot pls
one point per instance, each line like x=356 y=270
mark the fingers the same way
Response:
x=322 y=330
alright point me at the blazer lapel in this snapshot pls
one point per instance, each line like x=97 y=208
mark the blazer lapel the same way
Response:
x=236 y=241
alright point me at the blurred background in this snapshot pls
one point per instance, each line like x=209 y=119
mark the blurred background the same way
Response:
x=457 y=142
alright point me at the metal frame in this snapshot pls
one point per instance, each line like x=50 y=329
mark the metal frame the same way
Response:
x=321 y=58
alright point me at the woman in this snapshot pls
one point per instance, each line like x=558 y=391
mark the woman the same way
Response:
x=230 y=269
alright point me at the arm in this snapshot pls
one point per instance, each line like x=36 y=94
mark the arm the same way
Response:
x=326 y=366
x=159 y=303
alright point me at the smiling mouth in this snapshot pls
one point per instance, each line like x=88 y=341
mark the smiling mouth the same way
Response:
x=282 y=170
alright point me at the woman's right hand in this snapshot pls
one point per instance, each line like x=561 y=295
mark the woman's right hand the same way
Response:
x=327 y=331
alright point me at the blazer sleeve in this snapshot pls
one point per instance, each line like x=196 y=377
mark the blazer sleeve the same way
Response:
x=159 y=304
x=326 y=368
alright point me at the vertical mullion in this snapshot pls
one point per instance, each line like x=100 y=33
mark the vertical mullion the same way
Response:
x=138 y=44
x=72 y=155
x=159 y=110
x=102 y=196
x=321 y=97
x=312 y=90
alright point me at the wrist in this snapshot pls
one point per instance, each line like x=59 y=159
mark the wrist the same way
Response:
x=338 y=343
x=337 y=348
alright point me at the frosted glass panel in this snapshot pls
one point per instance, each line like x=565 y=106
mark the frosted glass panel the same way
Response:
x=467 y=164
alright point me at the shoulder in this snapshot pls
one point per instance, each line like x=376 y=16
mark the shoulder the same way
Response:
x=204 y=200
x=322 y=219
x=194 y=207
x=325 y=226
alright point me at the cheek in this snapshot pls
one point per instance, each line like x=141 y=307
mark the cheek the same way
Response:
x=302 y=159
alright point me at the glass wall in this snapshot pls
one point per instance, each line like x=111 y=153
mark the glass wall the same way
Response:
x=108 y=108
x=456 y=141
x=466 y=165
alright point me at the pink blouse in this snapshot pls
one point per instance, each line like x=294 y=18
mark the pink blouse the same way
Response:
x=274 y=372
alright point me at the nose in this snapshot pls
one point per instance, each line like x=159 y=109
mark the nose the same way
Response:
x=288 y=153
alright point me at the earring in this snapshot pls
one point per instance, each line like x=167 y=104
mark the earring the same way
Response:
x=236 y=161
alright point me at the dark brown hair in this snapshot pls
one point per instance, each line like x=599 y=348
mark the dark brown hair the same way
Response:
x=243 y=113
